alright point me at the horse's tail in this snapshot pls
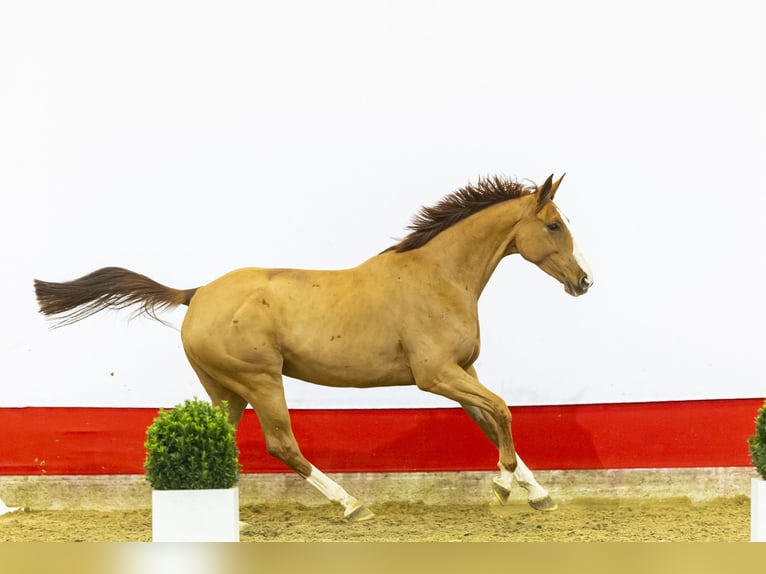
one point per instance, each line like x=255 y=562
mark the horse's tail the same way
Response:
x=107 y=288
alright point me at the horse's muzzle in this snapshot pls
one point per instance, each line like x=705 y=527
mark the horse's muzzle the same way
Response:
x=579 y=288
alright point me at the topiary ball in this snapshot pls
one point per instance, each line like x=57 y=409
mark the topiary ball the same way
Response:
x=191 y=447
x=757 y=442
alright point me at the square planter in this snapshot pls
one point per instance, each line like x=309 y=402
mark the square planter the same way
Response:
x=757 y=510
x=195 y=515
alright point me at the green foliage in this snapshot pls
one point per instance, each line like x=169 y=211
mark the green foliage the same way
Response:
x=191 y=447
x=757 y=442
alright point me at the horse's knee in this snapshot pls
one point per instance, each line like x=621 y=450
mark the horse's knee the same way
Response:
x=501 y=413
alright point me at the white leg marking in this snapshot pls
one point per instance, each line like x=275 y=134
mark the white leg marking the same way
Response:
x=332 y=490
x=6 y=509
x=526 y=480
x=524 y=477
x=506 y=476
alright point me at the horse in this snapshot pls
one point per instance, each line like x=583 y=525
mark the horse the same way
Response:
x=406 y=316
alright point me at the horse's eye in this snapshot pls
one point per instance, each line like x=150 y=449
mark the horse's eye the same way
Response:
x=555 y=226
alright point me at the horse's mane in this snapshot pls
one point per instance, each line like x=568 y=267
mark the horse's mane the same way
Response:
x=460 y=204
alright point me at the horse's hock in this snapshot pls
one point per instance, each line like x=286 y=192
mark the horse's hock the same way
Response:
x=116 y=492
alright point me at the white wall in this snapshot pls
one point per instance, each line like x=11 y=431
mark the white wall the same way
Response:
x=183 y=140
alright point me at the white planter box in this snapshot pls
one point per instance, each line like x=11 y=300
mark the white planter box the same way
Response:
x=195 y=515
x=757 y=510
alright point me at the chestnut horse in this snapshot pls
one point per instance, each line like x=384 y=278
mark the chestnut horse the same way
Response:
x=407 y=316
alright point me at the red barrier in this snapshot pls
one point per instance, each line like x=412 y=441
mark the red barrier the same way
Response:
x=62 y=441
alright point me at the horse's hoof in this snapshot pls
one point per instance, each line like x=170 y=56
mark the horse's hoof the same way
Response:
x=360 y=514
x=501 y=492
x=544 y=504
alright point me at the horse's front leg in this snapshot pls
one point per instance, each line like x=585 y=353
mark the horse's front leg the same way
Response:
x=538 y=497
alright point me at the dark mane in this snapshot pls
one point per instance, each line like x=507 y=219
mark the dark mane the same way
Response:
x=430 y=221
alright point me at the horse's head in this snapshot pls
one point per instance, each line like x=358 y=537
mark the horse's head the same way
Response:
x=543 y=237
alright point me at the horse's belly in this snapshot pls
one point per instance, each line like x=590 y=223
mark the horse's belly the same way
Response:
x=345 y=372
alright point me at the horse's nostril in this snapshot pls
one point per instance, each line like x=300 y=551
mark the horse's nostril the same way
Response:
x=585 y=283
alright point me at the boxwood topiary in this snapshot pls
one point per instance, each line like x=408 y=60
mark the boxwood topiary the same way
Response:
x=757 y=442
x=191 y=446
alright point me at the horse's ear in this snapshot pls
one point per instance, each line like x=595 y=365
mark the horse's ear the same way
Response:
x=546 y=191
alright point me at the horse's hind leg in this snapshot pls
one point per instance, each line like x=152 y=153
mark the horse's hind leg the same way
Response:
x=266 y=394
x=235 y=404
x=238 y=383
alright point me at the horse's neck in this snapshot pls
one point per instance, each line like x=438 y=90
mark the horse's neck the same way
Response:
x=468 y=252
